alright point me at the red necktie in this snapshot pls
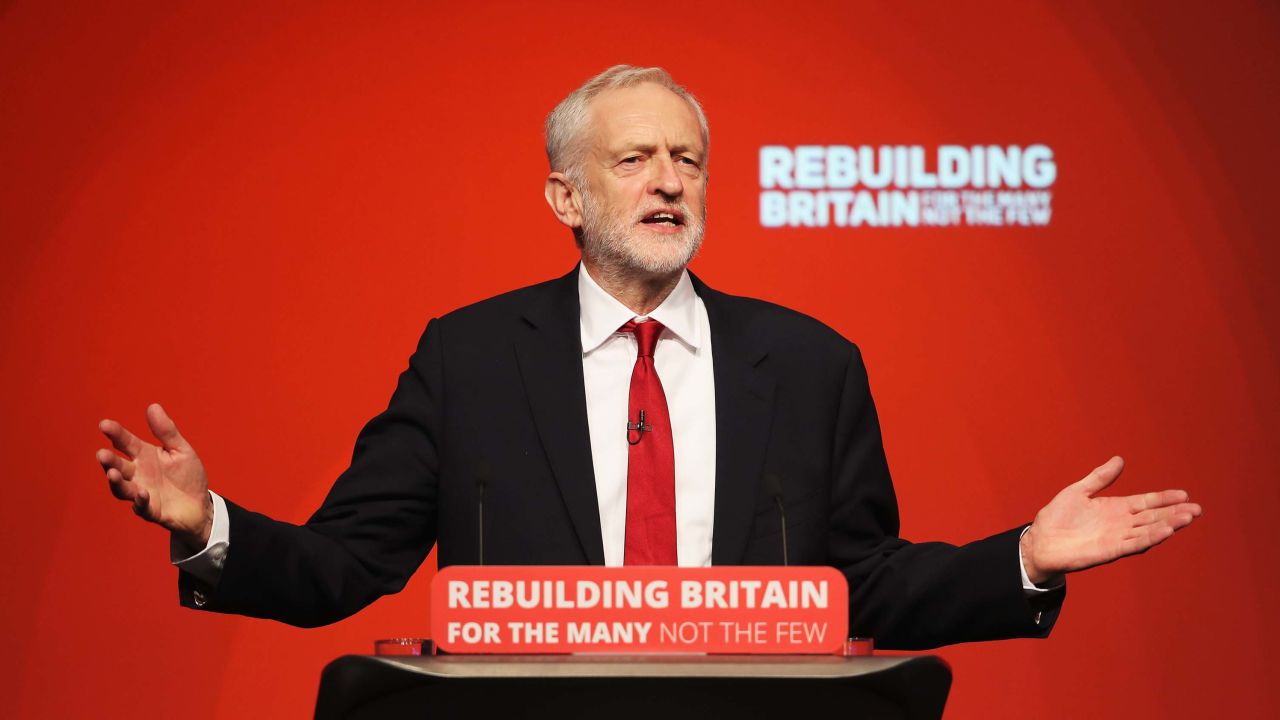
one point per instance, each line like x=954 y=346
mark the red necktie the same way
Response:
x=651 y=463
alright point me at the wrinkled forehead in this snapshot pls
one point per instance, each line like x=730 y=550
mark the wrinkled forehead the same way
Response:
x=646 y=115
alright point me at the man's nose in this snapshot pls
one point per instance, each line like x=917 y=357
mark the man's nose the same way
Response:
x=665 y=178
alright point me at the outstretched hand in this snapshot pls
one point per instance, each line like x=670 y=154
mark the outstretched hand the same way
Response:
x=1078 y=530
x=166 y=483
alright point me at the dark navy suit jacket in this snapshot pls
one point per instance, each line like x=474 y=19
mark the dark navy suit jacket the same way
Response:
x=494 y=398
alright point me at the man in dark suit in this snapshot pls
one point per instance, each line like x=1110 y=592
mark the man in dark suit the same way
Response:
x=526 y=405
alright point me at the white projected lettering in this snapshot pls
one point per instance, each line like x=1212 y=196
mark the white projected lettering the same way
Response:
x=906 y=185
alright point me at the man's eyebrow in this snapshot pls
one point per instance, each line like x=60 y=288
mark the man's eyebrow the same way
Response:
x=647 y=148
x=694 y=149
x=650 y=148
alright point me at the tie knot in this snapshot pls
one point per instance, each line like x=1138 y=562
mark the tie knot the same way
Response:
x=646 y=335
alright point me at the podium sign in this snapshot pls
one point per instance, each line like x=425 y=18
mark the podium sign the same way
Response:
x=574 y=609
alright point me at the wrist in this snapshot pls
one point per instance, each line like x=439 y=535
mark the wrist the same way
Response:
x=1026 y=544
x=197 y=537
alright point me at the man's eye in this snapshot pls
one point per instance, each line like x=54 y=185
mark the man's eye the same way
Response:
x=632 y=160
x=688 y=161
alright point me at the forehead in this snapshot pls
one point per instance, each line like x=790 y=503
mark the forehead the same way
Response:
x=646 y=114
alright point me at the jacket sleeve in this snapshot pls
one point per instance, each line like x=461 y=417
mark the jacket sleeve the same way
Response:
x=921 y=595
x=373 y=530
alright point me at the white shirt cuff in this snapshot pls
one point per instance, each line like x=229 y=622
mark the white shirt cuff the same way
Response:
x=1029 y=587
x=206 y=565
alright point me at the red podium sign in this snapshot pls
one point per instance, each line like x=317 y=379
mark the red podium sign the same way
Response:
x=577 y=609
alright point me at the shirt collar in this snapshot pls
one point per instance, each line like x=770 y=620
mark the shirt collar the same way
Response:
x=602 y=315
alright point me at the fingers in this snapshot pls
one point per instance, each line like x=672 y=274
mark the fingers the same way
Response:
x=121 y=471
x=121 y=487
x=142 y=505
x=1177 y=516
x=1154 y=500
x=121 y=439
x=1145 y=538
x=109 y=460
x=164 y=428
x=1102 y=476
x=1181 y=519
x=1162 y=525
x=132 y=493
x=119 y=474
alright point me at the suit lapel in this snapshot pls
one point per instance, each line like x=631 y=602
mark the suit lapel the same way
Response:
x=744 y=415
x=550 y=358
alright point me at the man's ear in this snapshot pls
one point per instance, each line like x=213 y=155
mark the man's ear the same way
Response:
x=564 y=199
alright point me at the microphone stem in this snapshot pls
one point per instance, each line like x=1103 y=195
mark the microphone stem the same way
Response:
x=782 y=515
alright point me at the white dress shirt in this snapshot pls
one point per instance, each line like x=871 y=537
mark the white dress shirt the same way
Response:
x=683 y=361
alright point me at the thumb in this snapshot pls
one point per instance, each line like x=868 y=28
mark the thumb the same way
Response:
x=165 y=429
x=1102 y=476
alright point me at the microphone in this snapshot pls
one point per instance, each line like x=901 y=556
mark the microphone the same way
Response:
x=773 y=484
x=482 y=481
x=640 y=429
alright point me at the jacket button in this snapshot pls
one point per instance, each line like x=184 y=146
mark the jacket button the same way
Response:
x=198 y=598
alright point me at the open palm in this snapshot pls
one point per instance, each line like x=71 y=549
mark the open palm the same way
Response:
x=1079 y=530
x=166 y=483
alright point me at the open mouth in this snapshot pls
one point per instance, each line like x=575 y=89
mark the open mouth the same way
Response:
x=664 y=218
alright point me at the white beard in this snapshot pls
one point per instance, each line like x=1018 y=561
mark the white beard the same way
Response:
x=622 y=244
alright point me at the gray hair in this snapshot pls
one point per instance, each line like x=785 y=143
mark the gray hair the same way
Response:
x=567 y=124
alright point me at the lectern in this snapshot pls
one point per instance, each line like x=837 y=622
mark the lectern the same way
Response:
x=653 y=687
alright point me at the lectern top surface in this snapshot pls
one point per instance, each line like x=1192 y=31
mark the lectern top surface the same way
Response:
x=657 y=666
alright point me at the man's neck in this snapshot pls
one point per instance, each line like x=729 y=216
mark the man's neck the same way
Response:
x=641 y=292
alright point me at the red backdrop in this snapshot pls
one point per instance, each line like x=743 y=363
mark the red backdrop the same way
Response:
x=249 y=214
